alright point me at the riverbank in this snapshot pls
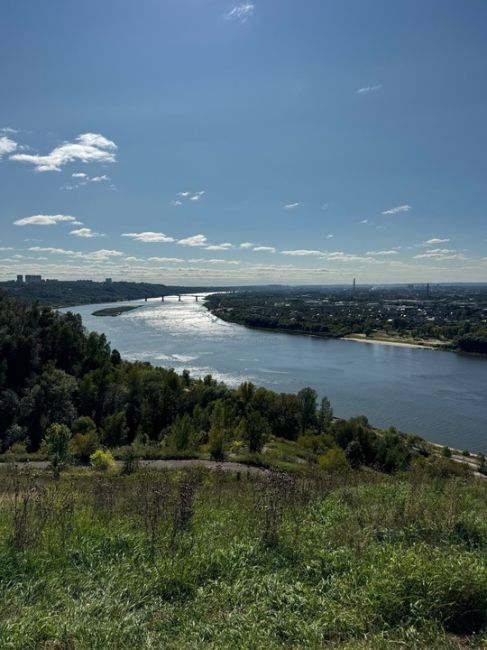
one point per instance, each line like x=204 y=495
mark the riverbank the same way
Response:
x=409 y=343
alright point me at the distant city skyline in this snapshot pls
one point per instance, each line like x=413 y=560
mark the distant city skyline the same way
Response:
x=205 y=142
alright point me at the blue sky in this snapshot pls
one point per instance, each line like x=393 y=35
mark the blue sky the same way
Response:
x=205 y=141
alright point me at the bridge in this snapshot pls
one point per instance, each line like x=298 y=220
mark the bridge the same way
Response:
x=180 y=296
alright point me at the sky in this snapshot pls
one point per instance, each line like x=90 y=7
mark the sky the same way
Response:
x=211 y=142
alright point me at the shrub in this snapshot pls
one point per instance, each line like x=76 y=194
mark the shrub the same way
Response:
x=102 y=461
x=334 y=460
x=82 y=445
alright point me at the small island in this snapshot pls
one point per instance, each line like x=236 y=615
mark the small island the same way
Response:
x=114 y=311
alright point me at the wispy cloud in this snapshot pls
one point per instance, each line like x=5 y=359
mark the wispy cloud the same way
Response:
x=88 y=233
x=435 y=240
x=303 y=252
x=368 y=89
x=220 y=247
x=241 y=12
x=83 y=179
x=364 y=221
x=195 y=240
x=149 y=237
x=247 y=244
x=382 y=253
x=94 y=256
x=165 y=259
x=44 y=220
x=440 y=254
x=187 y=196
x=398 y=209
x=87 y=148
x=264 y=249
x=7 y=146
x=290 y=206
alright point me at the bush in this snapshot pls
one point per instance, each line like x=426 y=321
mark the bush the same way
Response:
x=102 y=461
x=82 y=445
x=334 y=460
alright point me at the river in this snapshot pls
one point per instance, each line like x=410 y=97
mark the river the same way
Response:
x=439 y=395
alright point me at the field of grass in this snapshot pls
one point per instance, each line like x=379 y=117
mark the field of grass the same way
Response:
x=200 y=559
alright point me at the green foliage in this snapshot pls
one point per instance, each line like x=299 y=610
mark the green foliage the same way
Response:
x=102 y=461
x=255 y=431
x=182 y=435
x=334 y=460
x=217 y=432
x=57 y=444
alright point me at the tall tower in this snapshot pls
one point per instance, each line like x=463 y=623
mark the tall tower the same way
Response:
x=428 y=290
x=353 y=286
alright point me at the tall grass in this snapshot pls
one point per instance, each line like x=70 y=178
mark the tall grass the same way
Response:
x=200 y=559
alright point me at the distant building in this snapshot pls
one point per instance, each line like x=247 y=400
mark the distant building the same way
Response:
x=108 y=280
x=20 y=279
x=32 y=279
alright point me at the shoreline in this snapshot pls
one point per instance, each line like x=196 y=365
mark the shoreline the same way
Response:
x=422 y=346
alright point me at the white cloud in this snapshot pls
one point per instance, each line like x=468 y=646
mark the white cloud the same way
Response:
x=7 y=146
x=330 y=236
x=195 y=240
x=219 y=261
x=382 y=253
x=303 y=252
x=368 y=89
x=86 y=232
x=95 y=256
x=220 y=247
x=364 y=221
x=44 y=220
x=440 y=254
x=6 y=248
x=247 y=244
x=241 y=12
x=290 y=206
x=435 y=240
x=264 y=249
x=87 y=148
x=79 y=175
x=101 y=254
x=149 y=237
x=191 y=196
x=398 y=209
x=165 y=259
x=99 y=179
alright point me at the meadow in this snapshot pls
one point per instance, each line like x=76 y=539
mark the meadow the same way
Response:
x=211 y=559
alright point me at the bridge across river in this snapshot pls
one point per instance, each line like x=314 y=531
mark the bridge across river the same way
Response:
x=180 y=296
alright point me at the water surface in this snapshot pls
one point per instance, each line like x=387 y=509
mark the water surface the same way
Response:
x=441 y=396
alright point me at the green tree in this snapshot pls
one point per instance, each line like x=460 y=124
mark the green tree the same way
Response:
x=307 y=407
x=255 y=431
x=325 y=415
x=217 y=432
x=182 y=433
x=57 y=443
x=114 y=429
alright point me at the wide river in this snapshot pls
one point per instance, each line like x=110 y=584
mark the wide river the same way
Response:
x=441 y=396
